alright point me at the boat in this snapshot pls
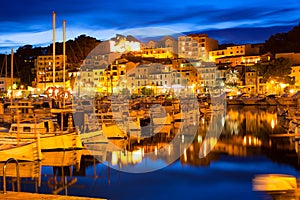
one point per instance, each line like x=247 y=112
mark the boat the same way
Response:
x=112 y=131
x=274 y=183
x=26 y=169
x=53 y=133
x=61 y=158
x=25 y=151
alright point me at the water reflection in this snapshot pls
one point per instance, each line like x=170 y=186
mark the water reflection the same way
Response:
x=243 y=150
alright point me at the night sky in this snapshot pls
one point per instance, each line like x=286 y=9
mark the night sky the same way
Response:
x=30 y=21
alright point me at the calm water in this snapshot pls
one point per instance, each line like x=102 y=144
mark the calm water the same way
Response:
x=243 y=150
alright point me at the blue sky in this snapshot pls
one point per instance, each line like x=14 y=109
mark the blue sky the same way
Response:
x=30 y=22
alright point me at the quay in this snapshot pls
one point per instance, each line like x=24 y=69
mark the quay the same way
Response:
x=36 y=196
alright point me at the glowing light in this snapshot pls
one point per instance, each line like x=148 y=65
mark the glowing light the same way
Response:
x=184 y=155
x=245 y=141
x=272 y=123
x=114 y=158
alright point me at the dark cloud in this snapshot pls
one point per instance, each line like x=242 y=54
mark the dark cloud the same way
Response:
x=35 y=15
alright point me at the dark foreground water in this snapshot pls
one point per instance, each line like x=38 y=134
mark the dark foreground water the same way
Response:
x=243 y=150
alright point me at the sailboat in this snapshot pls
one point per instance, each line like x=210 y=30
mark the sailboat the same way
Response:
x=54 y=133
x=13 y=147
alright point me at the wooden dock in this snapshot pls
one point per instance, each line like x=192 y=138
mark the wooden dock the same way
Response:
x=24 y=195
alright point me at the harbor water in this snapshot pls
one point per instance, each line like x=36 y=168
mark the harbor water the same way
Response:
x=244 y=149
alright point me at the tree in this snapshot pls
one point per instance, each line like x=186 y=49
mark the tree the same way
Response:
x=232 y=78
x=277 y=70
x=284 y=42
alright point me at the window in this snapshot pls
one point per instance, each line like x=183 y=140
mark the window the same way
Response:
x=26 y=129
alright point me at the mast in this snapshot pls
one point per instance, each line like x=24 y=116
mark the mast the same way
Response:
x=11 y=74
x=54 y=38
x=5 y=65
x=64 y=59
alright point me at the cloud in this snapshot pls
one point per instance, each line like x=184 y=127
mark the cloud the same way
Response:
x=25 y=20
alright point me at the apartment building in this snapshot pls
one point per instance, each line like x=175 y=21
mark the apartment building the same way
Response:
x=207 y=76
x=234 y=51
x=196 y=46
x=44 y=72
x=8 y=83
x=157 y=53
x=239 y=60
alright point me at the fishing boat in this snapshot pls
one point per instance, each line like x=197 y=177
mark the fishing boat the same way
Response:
x=25 y=151
x=26 y=169
x=112 y=131
x=53 y=133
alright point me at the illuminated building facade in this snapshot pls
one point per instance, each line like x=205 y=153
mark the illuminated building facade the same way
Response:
x=157 y=53
x=208 y=72
x=295 y=60
x=120 y=44
x=6 y=83
x=196 y=46
x=44 y=72
x=235 y=51
x=296 y=74
x=239 y=60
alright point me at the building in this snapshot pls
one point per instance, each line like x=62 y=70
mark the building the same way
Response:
x=207 y=76
x=157 y=53
x=6 y=85
x=118 y=44
x=295 y=73
x=238 y=60
x=196 y=46
x=293 y=57
x=44 y=72
x=168 y=43
x=235 y=51
x=295 y=60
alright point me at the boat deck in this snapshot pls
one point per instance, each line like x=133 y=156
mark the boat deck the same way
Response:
x=25 y=195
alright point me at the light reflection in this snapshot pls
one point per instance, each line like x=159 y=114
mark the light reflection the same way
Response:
x=242 y=134
x=184 y=155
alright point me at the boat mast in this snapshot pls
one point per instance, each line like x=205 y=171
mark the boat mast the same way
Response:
x=54 y=38
x=11 y=75
x=5 y=65
x=64 y=60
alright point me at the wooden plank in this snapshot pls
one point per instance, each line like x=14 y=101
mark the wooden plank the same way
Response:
x=36 y=196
